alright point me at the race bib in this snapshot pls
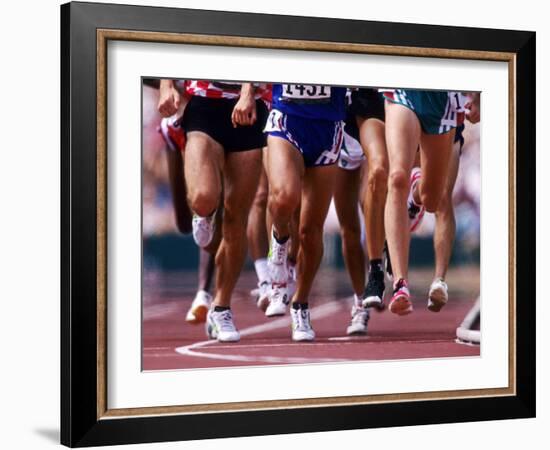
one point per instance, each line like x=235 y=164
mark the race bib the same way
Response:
x=306 y=93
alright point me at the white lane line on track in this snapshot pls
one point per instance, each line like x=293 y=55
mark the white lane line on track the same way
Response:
x=334 y=341
x=316 y=313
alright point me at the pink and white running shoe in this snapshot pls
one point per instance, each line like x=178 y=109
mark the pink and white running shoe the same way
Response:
x=400 y=303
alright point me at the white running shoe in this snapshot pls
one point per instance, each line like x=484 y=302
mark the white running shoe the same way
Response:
x=301 y=325
x=220 y=326
x=438 y=295
x=263 y=295
x=416 y=213
x=278 y=299
x=401 y=303
x=277 y=260
x=359 y=319
x=203 y=229
x=199 y=308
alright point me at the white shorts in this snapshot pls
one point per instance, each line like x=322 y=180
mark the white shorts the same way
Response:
x=351 y=154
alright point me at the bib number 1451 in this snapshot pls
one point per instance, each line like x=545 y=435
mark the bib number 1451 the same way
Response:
x=306 y=91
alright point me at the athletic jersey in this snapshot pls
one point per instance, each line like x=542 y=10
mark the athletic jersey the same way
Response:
x=218 y=89
x=310 y=101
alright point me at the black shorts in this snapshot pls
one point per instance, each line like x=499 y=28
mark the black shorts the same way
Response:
x=366 y=104
x=212 y=116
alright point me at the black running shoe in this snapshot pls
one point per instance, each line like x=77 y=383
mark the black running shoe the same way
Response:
x=374 y=292
x=387 y=262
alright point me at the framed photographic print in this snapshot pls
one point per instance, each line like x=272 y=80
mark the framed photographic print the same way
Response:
x=281 y=224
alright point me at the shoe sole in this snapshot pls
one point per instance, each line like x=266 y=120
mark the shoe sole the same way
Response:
x=199 y=312
x=374 y=302
x=436 y=300
x=275 y=314
x=401 y=306
x=303 y=339
x=229 y=340
x=356 y=332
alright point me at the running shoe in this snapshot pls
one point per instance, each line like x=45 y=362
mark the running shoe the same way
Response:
x=359 y=319
x=416 y=213
x=220 y=326
x=387 y=262
x=199 y=308
x=374 y=292
x=277 y=261
x=278 y=299
x=203 y=229
x=400 y=303
x=262 y=297
x=438 y=295
x=301 y=325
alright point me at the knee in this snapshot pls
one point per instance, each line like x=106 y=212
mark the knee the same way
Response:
x=430 y=201
x=377 y=180
x=398 y=181
x=234 y=224
x=311 y=237
x=351 y=234
x=282 y=202
x=260 y=200
x=203 y=201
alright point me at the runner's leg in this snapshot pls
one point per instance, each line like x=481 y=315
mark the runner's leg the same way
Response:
x=239 y=193
x=346 y=198
x=317 y=193
x=402 y=139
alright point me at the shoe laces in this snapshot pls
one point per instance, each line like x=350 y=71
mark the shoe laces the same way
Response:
x=303 y=323
x=277 y=294
x=359 y=315
x=204 y=223
x=225 y=320
x=401 y=283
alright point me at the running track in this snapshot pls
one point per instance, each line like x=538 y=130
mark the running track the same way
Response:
x=170 y=343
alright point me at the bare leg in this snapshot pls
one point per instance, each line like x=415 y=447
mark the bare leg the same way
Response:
x=238 y=196
x=206 y=270
x=316 y=195
x=285 y=172
x=204 y=161
x=402 y=138
x=435 y=154
x=256 y=230
x=445 y=225
x=373 y=141
x=178 y=190
x=346 y=197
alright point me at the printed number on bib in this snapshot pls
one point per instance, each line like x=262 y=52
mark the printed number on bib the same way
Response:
x=306 y=93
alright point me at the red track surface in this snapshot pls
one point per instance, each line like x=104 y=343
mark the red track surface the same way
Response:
x=265 y=341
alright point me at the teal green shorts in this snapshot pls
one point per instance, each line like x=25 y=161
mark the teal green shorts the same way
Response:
x=437 y=111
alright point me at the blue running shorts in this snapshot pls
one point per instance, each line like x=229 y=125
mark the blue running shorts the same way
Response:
x=318 y=141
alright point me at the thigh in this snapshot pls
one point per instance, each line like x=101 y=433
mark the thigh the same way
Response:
x=204 y=161
x=435 y=154
x=373 y=140
x=285 y=167
x=402 y=136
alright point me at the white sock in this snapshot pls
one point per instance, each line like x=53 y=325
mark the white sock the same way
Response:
x=261 y=270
